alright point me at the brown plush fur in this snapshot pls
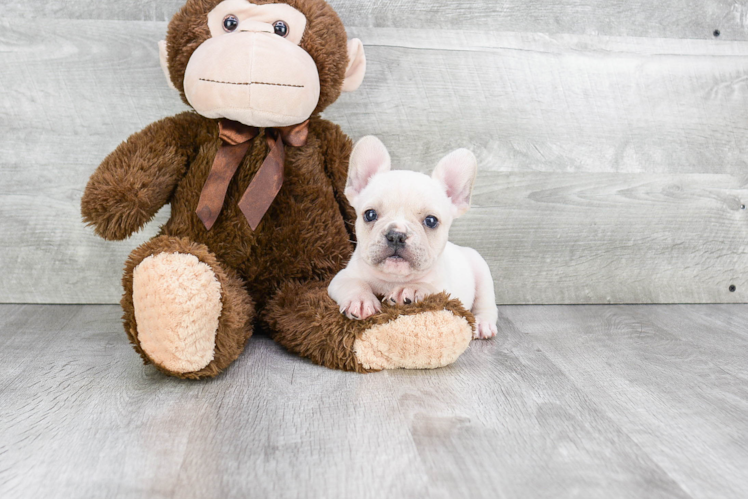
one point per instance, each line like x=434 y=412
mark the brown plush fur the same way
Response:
x=139 y=177
x=237 y=311
x=304 y=319
x=304 y=239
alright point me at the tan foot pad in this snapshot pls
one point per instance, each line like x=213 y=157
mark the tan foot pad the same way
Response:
x=426 y=340
x=177 y=303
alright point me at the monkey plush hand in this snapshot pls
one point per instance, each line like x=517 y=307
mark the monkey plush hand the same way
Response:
x=259 y=221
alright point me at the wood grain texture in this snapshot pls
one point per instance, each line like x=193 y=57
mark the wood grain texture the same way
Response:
x=71 y=90
x=716 y=331
x=592 y=401
x=58 y=120
x=51 y=405
x=610 y=238
x=656 y=381
x=558 y=104
x=640 y=18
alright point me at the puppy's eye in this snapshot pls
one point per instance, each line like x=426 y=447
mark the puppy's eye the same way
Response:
x=431 y=221
x=281 y=28
x=230 y=23
x=370 y=215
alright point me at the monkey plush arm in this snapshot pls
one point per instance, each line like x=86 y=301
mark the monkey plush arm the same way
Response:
x=138 y=178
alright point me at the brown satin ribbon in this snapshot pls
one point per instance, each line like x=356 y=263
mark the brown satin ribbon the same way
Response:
x=266 y=183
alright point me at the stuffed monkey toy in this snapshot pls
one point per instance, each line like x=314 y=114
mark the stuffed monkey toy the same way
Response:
x=259 y=221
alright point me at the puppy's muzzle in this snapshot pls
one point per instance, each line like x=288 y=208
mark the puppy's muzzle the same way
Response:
x=396 y=239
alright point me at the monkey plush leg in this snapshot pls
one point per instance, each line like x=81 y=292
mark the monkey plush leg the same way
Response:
x=183 y=311
x=429 y=334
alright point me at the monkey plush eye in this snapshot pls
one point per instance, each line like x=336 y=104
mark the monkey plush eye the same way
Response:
x=230 y=23
x=370 y=215
x=431 y=221
x=281 y=28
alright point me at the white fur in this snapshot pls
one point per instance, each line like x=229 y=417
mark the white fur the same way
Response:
x=427 y=263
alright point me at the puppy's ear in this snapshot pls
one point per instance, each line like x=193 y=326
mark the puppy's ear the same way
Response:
x=368 y=158
x=456 y=173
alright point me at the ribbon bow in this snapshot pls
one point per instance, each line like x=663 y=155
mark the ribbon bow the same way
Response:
x=236 y=138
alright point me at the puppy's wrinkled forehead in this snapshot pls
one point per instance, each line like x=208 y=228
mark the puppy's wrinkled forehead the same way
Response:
x=411 y=191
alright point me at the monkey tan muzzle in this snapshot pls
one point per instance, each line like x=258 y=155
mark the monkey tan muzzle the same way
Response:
x=256 y=78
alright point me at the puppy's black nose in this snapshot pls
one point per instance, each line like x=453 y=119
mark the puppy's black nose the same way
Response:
x=396 y=239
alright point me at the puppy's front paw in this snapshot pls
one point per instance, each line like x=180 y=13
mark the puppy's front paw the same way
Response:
x=484 y=329
x=408 y=294
x=360 y=306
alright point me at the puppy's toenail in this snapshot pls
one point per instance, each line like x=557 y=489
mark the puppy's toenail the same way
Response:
x=407 y=301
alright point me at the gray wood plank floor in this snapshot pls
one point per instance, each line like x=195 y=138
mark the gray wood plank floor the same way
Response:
x=568 y=401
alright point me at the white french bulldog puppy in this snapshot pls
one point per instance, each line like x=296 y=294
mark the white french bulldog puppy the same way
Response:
x=402 y=226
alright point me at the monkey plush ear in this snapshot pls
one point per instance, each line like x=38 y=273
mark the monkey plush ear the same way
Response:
x=456 y=172
x=368 y=158
x=164 y=57
x=354 y=73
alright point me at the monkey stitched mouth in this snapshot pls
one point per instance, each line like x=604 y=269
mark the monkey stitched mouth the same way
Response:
x=252 y=83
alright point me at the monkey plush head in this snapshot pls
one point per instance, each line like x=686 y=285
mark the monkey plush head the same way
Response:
x=263 y=63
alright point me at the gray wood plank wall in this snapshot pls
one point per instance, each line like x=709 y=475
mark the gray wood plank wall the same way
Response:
x=642 y=18
x=612 y=136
